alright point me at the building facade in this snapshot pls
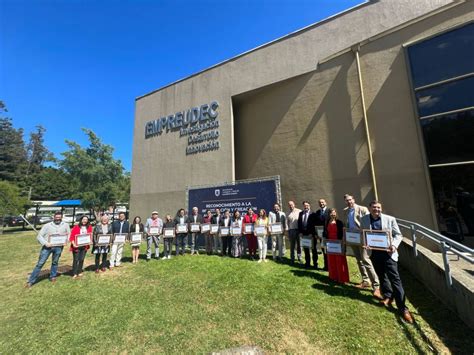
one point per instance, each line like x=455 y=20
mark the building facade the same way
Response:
x=376 y=101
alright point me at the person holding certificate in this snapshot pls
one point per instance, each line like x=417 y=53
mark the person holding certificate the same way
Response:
x=194 y=221
x=104 y=228
x=321 y=216
x=57 y=231
x=78 y=251
x=167 y=241
x=293 y=233
x=260 y=231
x=386 y=261
x=307 y=234
x=247 y=226
x=277 y=218
x=337 y=264
x=136 y=227
x=226 y=239
x=118 y=227
x=181 y=232
x=217 y=238
x=353 y=214
x=153 y=229
x=237 y=240
x=209 y=238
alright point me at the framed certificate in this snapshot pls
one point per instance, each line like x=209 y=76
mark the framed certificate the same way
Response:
x=195 y=227
x=136 y=238
x=120 y=238
x=319 y=231
x=378 y=239
x=248 y=229
x=57 y=240
x=225 y=231
x=182 y=228
x=306 y=242
x=236 y=231
x=276 y=228
x=214 y=229
x=260 y=231
x=205 y=227
x=154 y=231
x=83 y=239
x=334 y=247
x=352 y=236
x=168 y=232
x=103 y=240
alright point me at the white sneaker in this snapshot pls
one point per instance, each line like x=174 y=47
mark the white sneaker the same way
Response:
x=259 y=261
x=265 y=260
x=169 y=257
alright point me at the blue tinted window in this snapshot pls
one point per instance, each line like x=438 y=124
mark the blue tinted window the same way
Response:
x=445 y=56
x=449 y=138
x=447 y=97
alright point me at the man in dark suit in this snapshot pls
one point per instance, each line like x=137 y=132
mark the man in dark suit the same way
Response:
x=320 y=218
x=307 y=234
x=194 y=218
x=119 y=226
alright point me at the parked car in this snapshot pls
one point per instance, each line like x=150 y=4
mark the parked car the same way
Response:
x=40 y=219
x=12 y=221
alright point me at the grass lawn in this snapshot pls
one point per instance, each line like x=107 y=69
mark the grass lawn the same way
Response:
x=207 y=303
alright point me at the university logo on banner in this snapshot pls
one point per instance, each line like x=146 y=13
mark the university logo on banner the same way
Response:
x=217 y=192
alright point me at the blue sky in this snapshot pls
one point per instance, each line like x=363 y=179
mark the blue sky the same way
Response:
x=67 y=64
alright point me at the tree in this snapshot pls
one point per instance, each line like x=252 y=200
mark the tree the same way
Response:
x=53 y=184
x=97 y=173
x=11 y=202
x=12 y=149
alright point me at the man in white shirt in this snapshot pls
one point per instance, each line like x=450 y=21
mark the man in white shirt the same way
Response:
x=293 y=234
x=277 y=216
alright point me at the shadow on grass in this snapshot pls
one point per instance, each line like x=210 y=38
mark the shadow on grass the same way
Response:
x=62 y=270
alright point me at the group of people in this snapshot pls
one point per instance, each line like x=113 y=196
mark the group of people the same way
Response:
x=236 y=235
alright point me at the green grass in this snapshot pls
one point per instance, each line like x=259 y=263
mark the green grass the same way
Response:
x=201 y=304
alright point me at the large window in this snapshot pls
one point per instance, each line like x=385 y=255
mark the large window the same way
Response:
x=442 y=69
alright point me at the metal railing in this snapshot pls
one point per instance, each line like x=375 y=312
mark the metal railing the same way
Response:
x=417 y=231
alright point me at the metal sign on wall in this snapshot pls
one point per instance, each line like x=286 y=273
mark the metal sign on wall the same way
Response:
x=255 y=193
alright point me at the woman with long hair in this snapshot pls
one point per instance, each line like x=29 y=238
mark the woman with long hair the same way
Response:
x=262 y=221
x=337 y=264
x=79 y=252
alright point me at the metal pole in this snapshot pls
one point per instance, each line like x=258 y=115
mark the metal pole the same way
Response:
x=366 y=124
x=413 y=239
x=447 y=270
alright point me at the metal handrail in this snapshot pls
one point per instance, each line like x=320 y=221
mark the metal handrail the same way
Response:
x=445 y=244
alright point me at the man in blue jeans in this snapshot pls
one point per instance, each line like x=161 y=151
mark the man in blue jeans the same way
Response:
x=56 y=227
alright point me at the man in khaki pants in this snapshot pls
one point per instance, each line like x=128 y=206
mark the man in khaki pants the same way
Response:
x=353 y=214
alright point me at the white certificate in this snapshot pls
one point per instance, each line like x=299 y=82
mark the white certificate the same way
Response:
x=205 y=227
x=182 y=228
x=276 y=228
x=83 y=239
x=236 y=231
x=154 y=231
x=195 y=227
x=57 y=240
x=225 y=231
x=103 y=239
x=319 y=231
x=248 y=229
x=334 y=247
x=380 y=240
x=214 y=229
x=135 y=238
x=260 y=231
x=168 y=232
x=352 y=237
x=120 y=238
x=306 y=242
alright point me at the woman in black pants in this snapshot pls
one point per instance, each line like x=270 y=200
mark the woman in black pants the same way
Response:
x=102 y=228
x=79 y=252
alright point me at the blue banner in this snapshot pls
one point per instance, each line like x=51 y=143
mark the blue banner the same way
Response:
x=240 y=196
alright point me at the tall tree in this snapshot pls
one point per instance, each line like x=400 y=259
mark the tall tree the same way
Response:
x=12 y=149
x=97 y=173
x=53 y=184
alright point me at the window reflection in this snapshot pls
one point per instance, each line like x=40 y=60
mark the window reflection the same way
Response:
x=453 y=188
x=448 y=97
x=449 y=138
x=445 y=56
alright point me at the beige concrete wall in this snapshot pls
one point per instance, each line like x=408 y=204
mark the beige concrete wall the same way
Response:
x=160 y=167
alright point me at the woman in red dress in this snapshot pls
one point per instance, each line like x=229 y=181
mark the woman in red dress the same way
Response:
x=334 y=229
